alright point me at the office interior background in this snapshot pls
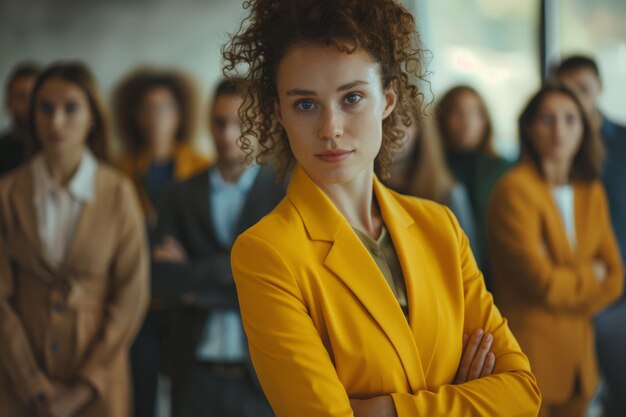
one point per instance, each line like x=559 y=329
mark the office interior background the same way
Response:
x=501 y=47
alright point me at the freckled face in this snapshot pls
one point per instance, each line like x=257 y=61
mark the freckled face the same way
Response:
x=332 y=105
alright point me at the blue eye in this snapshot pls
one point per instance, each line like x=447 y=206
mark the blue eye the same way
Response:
x=304 y=105
x=353 y=98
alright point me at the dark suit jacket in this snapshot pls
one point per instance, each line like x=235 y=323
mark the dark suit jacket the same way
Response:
x=184 y=213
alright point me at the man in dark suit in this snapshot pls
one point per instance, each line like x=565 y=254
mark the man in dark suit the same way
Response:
x=14 y=142
x=199 y=220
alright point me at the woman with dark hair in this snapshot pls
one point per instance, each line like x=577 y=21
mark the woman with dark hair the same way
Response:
x=73 y=261
x=155 y=112
x=555 y=259
x=467 y=134
x=355 y=299
x=419 y=168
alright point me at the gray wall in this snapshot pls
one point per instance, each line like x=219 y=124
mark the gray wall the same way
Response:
x=113 y=36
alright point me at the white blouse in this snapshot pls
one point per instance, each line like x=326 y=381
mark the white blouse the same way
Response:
x=563 y=196
x=59 y=208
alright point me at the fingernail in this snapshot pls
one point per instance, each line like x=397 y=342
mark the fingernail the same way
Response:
x=480 y=332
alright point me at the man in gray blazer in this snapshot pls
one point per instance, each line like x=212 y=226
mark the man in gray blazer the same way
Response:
x=199 y=220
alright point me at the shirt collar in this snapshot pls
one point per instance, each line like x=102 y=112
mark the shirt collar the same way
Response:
x=244 y=184
x=80 y=187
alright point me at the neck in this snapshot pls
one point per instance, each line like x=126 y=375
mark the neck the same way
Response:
x=62 y=168
x=231 y=170
x=355 y=201
x=556 y=172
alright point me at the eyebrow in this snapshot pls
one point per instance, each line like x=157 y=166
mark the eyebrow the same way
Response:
x=348 y=86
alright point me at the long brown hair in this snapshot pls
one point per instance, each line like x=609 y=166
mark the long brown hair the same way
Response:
x=431 y=178
x=133 y=88
x=588 y=160
x=77 y=73
x=383 y=28
x=445 y=106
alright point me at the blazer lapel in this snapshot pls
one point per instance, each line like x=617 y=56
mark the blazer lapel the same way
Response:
x=582 y=214
x=202 y=203
x=555 y=237
x=90 y=214
x=26 y=215
x=409 y=242
x=350 y=262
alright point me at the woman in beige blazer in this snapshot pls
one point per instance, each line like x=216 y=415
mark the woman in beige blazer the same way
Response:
x=553 y=252
x=73 y=262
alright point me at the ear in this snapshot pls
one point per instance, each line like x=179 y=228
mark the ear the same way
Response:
x=278 y=112
x=391 y=98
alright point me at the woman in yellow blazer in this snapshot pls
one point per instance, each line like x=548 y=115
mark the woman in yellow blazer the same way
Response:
x=554 y=256
x=73 y=262
x=335 y=327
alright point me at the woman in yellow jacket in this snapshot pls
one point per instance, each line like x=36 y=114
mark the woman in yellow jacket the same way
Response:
x=73 y=262
x=554 y=256
x=355 y=299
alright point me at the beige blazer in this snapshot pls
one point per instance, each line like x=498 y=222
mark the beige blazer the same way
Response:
x=74 y=322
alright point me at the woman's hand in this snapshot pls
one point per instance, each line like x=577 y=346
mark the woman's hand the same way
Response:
x=170 y=250
x=374 y=407
x=599 y=269
x=477 y=361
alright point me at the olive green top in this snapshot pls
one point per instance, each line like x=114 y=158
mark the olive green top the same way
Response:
x=385 y=256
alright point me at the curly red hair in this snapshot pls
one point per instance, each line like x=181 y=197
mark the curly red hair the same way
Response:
x=383 y=28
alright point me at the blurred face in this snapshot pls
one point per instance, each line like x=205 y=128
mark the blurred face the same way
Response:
x=62 y=117
x=557 y=130
x=332 y=104
x=18 y=100
x=466 y=123
x=159 y=117
x=226 y=128
x=586 y=84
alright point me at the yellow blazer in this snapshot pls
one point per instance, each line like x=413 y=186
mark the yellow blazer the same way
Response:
x=187 y=162
x=324 y=326
x=77 y=321
x=547 y=290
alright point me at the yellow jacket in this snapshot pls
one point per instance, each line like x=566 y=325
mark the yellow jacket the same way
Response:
x=323 y=325
x=547 y=290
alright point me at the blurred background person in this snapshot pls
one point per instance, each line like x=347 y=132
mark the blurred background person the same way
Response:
x=554 y=255
x=199 y=220
x=467 y=134
x=419 y=168
x=14 y=143
x=73 y=261
x=582 y=75
x=156 y=113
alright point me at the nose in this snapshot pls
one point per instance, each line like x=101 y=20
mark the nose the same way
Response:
x=331 y=125
x=58 y=118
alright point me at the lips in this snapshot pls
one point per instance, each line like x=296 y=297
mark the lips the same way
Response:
x=333 y=156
